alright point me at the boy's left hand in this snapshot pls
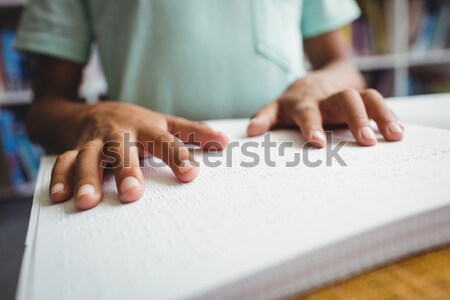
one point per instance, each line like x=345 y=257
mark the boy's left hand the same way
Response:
x=304 y=105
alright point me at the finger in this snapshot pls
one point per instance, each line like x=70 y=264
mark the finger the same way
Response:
x=355 y=114
x=172 y=151
x=129 y=178
x=389 y=126
x=89 y=172
x=263 y=120
x=309 y=118
x=62 y=178
x=197 y=133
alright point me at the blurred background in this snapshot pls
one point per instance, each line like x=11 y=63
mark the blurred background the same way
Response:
x=401 y=46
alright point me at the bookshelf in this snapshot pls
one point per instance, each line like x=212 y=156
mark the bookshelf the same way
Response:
x=412 y=59
x=399 y=23
x=15 y=95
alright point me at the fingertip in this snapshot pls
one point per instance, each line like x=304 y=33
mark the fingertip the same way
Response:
x=131 y=189
x=132 y=195
x=86 y=202
x=59 y=197
x=59 y=193
x=317 y=139
x=394 y=132
x=187 y=174
x=394 y=137
x=366 y=137
x=367 y=142
x=258 y=126
x=87 y=197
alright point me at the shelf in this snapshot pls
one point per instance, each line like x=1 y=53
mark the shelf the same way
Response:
x=15 y=98
x=411 y=59
x=376 y=62
x=429 y=57
x=24 y=191
x=9 y=3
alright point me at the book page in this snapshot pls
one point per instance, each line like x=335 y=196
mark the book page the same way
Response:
x=182 y=240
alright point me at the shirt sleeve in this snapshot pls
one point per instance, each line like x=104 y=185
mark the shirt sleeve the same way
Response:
x=59 y=28
x=321 y=16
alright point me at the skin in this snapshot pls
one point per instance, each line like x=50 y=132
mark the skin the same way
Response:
x=333 y=93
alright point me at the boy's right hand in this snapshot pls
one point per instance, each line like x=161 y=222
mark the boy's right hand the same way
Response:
x=107 y=130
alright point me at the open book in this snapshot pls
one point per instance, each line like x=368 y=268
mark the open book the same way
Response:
x=241 y=231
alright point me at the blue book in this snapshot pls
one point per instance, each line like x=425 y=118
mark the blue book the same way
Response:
x=16 y=175
x=427 y=31
x=13 y=63
x=27 y=155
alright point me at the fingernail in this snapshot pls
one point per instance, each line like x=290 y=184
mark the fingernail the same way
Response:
x=86 y=189
x=185 y=166
x=395 y=128
x=367 y=133
x=129 y=183
x=318 y=135
x=58 y=187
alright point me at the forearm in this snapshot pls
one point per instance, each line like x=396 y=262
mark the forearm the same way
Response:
x=55 y=122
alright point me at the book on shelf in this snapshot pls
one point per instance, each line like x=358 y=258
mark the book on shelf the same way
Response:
x=28 y=154
x=381 y=80
x=441 y=38
x=2 y=80
x=9 y=150
x=19 y=158
x=432 y=29
x=369 y=32
x=429 y=81
x=428 y=23
x=415 y=13
x=14 y=67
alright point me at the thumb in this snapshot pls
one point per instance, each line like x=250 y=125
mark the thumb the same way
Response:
x=263 y=120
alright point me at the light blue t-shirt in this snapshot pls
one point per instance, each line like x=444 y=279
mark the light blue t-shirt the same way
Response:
x=200 y=59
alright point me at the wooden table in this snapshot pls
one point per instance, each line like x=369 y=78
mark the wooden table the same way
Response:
x=423 y=277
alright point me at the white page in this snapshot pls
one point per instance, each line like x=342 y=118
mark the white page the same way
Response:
x=182 y=240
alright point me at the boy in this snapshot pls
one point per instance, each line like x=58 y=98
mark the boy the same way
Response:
x=198 y=59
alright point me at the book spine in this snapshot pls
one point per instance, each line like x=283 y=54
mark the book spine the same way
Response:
x=369 y=31
x=27 y=155
x=16 y=174
x=442 y=33
x=14 y=65
x=2 y=70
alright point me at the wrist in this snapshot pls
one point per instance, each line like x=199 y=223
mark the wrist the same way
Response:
x=55 y=123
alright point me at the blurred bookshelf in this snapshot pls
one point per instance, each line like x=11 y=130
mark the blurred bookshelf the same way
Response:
x=19 y=158
x=403 y=46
